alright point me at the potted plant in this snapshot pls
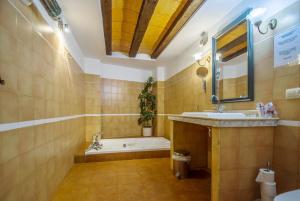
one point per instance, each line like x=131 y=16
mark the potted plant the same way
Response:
x=147 y=106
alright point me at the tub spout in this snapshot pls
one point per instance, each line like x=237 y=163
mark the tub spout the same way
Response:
x=96 y=144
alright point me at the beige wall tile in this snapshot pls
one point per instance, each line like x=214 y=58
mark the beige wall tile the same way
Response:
x=10 y=176
x=8 y=44
x=242 y=152
x=194 y=139
x=8 y=18
x=40 y=83
x=230 y=180
x=26 y=108
x=9 y=107
x=9 y=72
x=10 y=141
x=286 y=157
x=25 y=83
x=120 y=97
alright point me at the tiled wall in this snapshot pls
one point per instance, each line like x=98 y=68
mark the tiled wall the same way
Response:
x=287 y=138
x=233 y=87
x=113 y=107
x=192 y=138
x=183 y=93
x=93 y=122
x=242 y=152
x=120 y=105
x=42 y=81
x=287 y=158
x=159 y=91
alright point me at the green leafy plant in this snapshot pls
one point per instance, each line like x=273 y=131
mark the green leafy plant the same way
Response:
x=147 y=104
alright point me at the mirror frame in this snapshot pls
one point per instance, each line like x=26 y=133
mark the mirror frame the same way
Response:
x=242 y=18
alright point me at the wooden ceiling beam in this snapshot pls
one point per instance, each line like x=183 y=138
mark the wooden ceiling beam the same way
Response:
x=235 y=54
x=145 y=15
x=233 y=43
x=188 y=10
x=106 y=8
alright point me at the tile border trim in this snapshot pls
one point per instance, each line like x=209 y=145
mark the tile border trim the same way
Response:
x=289 y=123
x=24 y=124
x=103 y=115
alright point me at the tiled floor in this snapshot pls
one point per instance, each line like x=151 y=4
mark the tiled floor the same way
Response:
x=131 y=180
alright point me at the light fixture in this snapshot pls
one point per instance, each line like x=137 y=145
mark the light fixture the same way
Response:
x=257 y=12
x=272 y=25
x=52 y=8
x=66 y=28
x=62 y=25
x=218 y=56
x=55 y=12
x=206 y=61
x=203 y=39
x=198 y=56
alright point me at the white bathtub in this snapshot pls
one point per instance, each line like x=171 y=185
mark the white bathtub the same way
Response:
x=131 y=145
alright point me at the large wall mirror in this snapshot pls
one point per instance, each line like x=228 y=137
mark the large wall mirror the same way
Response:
x=233 y=62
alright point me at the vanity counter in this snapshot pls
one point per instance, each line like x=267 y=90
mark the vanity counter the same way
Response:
x=226 y=122
x=224 y=144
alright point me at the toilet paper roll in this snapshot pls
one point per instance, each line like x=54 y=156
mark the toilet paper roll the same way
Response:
x=268 y=191
x=265 y=175
x=268 y=188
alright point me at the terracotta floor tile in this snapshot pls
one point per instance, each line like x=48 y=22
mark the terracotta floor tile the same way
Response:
x=132 y=180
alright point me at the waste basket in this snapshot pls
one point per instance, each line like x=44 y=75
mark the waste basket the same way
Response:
x=181 y=164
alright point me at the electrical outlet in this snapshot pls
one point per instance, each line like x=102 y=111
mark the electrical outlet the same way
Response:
x=293 y=93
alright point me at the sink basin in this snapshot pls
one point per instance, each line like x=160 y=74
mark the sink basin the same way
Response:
x=289 y=196
x=225 y=115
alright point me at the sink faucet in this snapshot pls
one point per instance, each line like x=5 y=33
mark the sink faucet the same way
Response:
x=219 y=107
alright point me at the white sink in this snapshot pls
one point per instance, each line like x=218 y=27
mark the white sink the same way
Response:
x=289 y=196
x=225 y=115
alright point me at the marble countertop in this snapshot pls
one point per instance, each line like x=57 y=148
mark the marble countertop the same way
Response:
x=226 y=122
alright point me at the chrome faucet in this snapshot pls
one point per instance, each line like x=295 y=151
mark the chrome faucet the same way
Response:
x=219 y=107
x=96 y=144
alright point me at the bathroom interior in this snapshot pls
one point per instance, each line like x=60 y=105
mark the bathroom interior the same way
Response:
x=149 y=100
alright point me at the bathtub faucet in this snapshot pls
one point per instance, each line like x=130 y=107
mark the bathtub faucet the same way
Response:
x=97 y=137
x=96 y=144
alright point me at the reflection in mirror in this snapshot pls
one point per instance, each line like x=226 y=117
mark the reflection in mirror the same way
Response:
x=232 y=63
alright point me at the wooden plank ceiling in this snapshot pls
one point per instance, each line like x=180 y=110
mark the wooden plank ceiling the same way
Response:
x=233 y=43
x=144 y=26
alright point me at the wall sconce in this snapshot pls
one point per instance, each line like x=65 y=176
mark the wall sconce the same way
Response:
x=202 y=71
x=2 y=82
x=203 y=39
x=256 y=13
x=272 y=25
x=62 y=25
